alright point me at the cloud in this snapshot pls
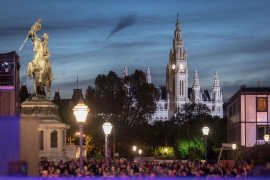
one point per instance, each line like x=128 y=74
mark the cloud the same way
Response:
x=123 y=23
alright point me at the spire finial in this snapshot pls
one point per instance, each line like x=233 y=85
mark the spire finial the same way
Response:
x=178 y=15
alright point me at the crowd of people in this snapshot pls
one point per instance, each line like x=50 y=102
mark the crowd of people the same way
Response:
x=140 y=169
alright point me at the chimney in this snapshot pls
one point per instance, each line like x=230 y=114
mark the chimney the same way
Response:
x=258 y=84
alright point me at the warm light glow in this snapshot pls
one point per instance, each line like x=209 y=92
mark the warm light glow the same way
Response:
x=266 y=137
x=134 y=148
x=140 y=151
x=205 y=130
x=107 y=128
x=78 y=134
x=166 y=149
x=234 y=146
x=81 y=111
x=261 y=104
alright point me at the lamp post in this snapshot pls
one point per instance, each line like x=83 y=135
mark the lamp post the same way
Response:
x=233 y=146
x=205 y=133
x=134 y=149
x=107 y=128
x=170 y=153
x=140 y=152
x=80 y=112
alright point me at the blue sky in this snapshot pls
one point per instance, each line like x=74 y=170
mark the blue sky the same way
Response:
x=87 y=38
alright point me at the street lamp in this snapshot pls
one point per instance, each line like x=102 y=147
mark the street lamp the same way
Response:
x=140 y=152
x=80 y=112
x=134 y=149
x=166 y=149
x=205 y=133
x=107 y=128
x=266 y=138
x=233 y=146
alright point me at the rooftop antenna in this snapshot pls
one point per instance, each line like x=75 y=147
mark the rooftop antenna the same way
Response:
x=77 y=81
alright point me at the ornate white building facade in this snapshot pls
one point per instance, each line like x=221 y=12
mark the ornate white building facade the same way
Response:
x=177 y=91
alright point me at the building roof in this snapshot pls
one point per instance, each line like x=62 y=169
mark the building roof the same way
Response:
x=9 y=56
x=250 y=91
x=205 y=95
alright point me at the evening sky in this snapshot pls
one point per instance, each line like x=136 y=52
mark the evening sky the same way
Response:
x=87 y=38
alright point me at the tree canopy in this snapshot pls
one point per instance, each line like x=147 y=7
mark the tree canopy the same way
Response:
x=129 y=102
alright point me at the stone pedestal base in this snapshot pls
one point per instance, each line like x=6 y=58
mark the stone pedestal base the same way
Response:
x=52 y=132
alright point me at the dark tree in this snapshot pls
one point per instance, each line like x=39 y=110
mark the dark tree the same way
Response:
x=129 y=103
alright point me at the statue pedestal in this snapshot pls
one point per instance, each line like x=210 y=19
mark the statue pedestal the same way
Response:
x=52 y=132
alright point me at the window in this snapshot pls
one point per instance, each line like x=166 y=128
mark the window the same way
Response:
x=41 y=140
x=261 y=104
x=54 y=139
x=230 y=111
x=261 y=131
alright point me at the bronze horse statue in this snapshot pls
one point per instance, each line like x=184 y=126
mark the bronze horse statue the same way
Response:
x=40 y=68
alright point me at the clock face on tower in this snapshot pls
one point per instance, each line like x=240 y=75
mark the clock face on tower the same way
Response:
x=173 y=66
x=181 y=66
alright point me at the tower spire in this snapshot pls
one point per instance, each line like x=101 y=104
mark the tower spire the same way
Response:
x=196 y=89
x=148 y=76
x=125 y=72
x=177 y=23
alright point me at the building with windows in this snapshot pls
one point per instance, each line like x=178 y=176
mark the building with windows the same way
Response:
x=177 y=92
x=248 y=116
x=9 y=84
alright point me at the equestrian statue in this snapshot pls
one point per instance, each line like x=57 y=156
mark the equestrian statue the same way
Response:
x=40 y=66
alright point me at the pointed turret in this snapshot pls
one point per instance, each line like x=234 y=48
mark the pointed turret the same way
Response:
x=216 y=89
x=196 y=92
x=178 y=42
x=177 y=23
x=195 y=79
x=56 y=96
x=148 y=76
x=125 y=72
x=216 y=80
x=185 y=55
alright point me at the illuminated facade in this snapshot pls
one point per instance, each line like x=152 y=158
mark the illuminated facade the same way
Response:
x=177 y=92
x=248 y=116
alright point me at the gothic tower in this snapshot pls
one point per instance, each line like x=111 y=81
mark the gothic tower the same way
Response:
x=216 y=95
x=177 y=73
x=148 y=76
x=125 y=72
x=196 y=89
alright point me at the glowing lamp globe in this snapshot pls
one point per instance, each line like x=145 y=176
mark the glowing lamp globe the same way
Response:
x=107 y=128
x=134 y=148
x=81 y=111
x=140 y=151
x=266 y=137
x=166 y=149
x=205 y=130
x=234 y=146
